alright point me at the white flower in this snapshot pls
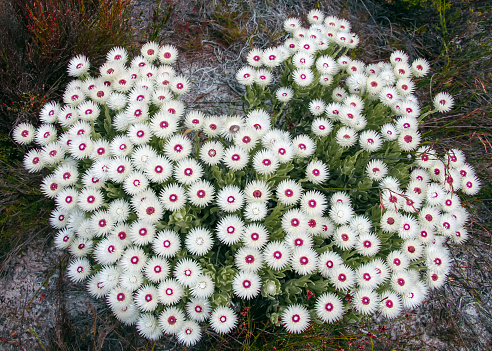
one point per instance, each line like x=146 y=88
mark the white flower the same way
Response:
x=139 y=133
x=341 y=212
x=230 y=198
x=23 y=133
x=67 y=198
x=402 y=281
x=367 y=276
x=313 y=203
x=170 y=292
x=302 y=60
x=255 y=211
x=344 y=237
x=246 y=285
x=265 y=162
x=141 y=233
x=171 y=320
x=376 y=170
x=230 y=230
x=409 y=140
x=296 y=319
x=254 y=57
x=79 y=269
x=292 y=24
x=177 y=147
x=173 y=197
x=198 y=309
x=263 y=77
x=294 y=221
x=168 y=54
x=284 y=94
x=156 y=269
x=368 y=244
x=366 y=301
x=258 y=121
x=211 y=152
x=248 y=259
x=148 y=327
x=470 y=185
x=329 y=307
x=346 y=137
x=166 y=244
x=370 y=140
x=327 y=261
x=303 y=145
x=235 y=157
x=246 y=76
x=255 y=236
x=321 y=127
x=64 y=238
x=108 y=251
x=289 y=192
x=33 y=161
x=271 y=57
x=187 y=272
x=199 y=241
x=257 y=191
x=128 y=315
x=146 y=298
x=303 y=77
x=283 y=150
x=119 y=297
x=304 y=260
x=81 y=247
x=277 y=255
x=343 y=277
x=223 y=320
x=188 y=171
x=78 y=66
x=190 y=333
x=204 y=287
x=397 y=261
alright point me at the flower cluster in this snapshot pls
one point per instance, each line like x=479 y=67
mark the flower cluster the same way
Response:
x=174 y=228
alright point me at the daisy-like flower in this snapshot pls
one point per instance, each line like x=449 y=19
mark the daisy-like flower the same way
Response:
x=402 y=281
x=412 y=248
x=141 y=233
x=376 y=170
x=303 y=145
x=390 y=304
x=204 y=287
x=230 y=229
x=246 y=285
x=325 y=80
x=409 y=140
x=297 y=240
x=128 y=315
x=321 y=127
x=343 y=277
x=257 y=191
x=78 y=66
x=420 y=67
x=236 y=158
x=443 y=102
x=200 y=193
x=329 y=307
x=368 y=244
x=211 y=152
x=326 y=65
x=302 y=60
x=168 y=54
x=397 y=261
x=64 y=238
x=303 y=77
x=199 y=241
x=187 y=171
x=23 y=133
x=73 y=96
x=259 y=121
x=402 y=70
x=170 y=292
x=366 y=301
x=158 y=169
x=173 y=197
x=271 y=57
x=223 y=320
x=190 y=333
x=97 y=287
x=390 y=222
x=119 y=298
x=248 y=259
x=313 y=203
x=187 y=272
x=81 y=247
x=438 y=259
x=79 y=269
x=389 y=132
x=166 y=244
x=327 y=261
x=246 y=76
x=317 y=172
x=148 y=327
x=346 y=137
x=304 y=260
x=139 y=133
x=341 y=212
x=121 y=146
x=135 y=183
x=283 y=150
x=273 y=137
x=408 y=227
x=470 y=185
x=212 y=125
x=255 y=211
x=292 y=24
x=33 y=161
x=296 y=319
x=119 y=210
x=133 y=260
x=263 y=77
x=284 y=94
x=45 y=134
x=156 y=269
x=108 y=251
x=59 y=218
x=230 y=198
x=294 y=221
x=254 y=57
x=407 y=124
x=277 y=255
x=141 y=156
x=171 y=320
x=67 y=198
x=344 y=237
x=315 y=16
x=119 y=169
x=367 y=277
x=198 y=309
x=255 y=236
x=146 y=298
x=265 y=162
x=177 y=148
x=370 y=140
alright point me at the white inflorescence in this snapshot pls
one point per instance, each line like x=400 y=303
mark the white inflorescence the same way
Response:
x=162 y=206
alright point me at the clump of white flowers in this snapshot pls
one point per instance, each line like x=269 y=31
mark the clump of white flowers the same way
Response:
x=173 y=228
